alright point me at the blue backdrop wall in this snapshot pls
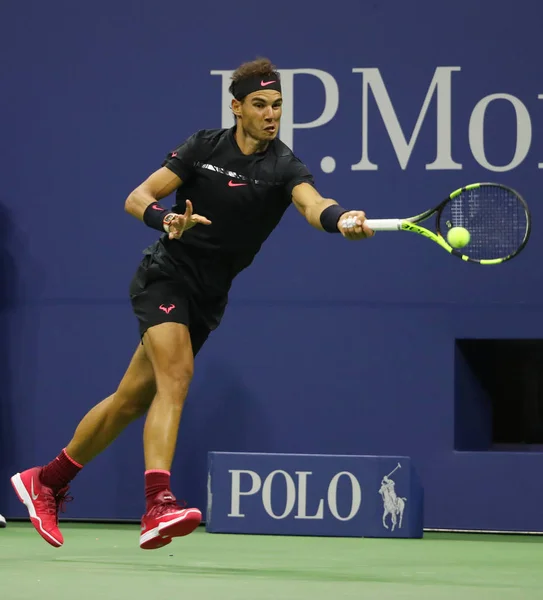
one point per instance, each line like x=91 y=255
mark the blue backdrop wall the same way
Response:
x=327 y=346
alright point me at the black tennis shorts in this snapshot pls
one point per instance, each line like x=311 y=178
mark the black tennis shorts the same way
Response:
x=158 y=296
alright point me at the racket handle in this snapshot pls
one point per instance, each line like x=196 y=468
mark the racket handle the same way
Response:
x=384 y=224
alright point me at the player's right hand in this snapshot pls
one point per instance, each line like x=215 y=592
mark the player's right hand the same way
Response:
x=181 y=223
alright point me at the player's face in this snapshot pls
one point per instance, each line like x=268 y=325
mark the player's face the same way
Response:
x=260 y=114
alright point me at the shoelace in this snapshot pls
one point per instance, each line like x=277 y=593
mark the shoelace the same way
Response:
x=55 y=503
x=166 y=505
x=50 y=504
x=62 y=499
x=163 y=507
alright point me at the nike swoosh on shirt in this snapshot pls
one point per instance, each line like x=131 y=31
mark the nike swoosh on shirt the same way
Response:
x=232 y=184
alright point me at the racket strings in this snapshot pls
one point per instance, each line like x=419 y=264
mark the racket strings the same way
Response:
x=495 y=218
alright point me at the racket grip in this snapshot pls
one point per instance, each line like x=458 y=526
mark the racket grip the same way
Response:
x=384 y=224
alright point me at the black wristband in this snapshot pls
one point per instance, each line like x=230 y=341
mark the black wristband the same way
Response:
x=153 y=216
x=330 y=217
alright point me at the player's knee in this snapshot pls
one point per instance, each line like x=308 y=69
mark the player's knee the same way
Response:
x=175 y=380
x=131 y=408
x=133 y=401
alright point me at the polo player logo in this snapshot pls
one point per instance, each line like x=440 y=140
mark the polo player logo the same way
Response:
x=393 y=504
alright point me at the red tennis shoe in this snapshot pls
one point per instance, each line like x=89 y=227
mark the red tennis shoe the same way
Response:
x=42 y=502
x=166 y=520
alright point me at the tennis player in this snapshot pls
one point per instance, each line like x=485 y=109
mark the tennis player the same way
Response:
x=232 y=188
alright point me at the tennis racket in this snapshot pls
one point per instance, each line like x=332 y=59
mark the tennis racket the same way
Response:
x=496 y=217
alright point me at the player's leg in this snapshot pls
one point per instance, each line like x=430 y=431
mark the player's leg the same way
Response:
x=170 y=349
x=102 y=424
x=43 y=489
x=173 y=329
x=161 y=301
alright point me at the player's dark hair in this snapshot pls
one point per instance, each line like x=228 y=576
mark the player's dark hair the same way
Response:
x=261 y=67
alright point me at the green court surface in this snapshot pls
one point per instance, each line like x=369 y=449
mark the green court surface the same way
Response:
x=104 y=562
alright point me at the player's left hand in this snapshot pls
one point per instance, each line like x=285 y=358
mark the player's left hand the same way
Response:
x=181 y=223
x=351 y=225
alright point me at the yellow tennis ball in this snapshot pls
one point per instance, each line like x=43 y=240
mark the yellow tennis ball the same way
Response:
x=458 y=237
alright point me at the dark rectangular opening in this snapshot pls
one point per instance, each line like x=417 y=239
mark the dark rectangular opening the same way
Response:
x=498 y=394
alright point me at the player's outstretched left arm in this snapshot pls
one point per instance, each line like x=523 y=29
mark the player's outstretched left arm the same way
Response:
x=325 y=214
